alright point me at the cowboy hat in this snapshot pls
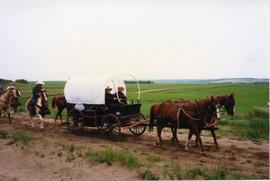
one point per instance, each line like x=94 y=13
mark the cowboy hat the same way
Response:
x=40 y=82
x=108 y=88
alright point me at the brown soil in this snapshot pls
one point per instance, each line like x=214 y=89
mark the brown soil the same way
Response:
x=45 y=159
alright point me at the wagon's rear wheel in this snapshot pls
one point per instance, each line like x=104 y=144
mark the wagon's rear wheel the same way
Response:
x=137 y=129
x=74 y=119
x=110 y=125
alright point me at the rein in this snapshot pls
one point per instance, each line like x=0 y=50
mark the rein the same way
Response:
x=207 y=125
x=180 y=108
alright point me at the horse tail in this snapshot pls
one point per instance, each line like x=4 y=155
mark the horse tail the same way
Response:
x=53 y=102
x=152 y=117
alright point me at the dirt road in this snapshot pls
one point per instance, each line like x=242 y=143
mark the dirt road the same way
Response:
x=41 y=160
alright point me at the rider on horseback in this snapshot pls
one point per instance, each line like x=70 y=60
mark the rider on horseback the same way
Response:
x=36 y=92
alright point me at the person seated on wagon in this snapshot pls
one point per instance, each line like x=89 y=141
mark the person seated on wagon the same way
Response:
x=109 y=98
x=122 y=97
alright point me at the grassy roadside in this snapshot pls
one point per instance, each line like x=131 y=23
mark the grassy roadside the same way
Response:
x=252 y=125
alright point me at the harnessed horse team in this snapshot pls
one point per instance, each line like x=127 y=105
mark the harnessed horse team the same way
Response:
x=194 y=115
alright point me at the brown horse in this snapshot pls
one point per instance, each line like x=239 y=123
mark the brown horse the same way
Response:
x=228 y=103
x=154 y=116
x=41 y=108
x=5 y=101
x=225 y=101
x=192 y=115
x=61 y=104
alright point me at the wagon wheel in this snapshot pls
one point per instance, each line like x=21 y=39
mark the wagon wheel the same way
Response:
x=74 y=119
x=110 y=125
x=139 y=129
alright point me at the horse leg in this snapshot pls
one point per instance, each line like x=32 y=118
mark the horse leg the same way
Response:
x=16 y=112
x=198 y=137
x=174 y=129
x=214 y=137
x=190 y=133
x=159 y=130
x=173 y=137
x=56 y=116
x=60 y=114
x=9 y=118
x=41 y=121
x=196 y=140
x=31 y=121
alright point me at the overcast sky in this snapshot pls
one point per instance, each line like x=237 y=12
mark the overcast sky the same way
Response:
x=57 y=39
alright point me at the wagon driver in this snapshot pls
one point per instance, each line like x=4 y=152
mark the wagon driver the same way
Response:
x=109 y=98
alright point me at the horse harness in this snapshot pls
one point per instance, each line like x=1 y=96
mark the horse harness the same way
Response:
x=180 y=108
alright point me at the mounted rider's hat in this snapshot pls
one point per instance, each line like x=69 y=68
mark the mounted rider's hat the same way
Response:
x=39 y=82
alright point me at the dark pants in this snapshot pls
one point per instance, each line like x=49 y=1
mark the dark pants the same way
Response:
x=33 y=104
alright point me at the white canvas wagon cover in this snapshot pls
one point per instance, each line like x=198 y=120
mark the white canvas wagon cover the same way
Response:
x=90 y=89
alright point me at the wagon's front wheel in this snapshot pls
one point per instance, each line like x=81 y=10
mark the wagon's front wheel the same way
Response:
x=110 y=125
x=139 y=127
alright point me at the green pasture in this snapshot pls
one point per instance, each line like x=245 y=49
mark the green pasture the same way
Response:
x=248 y=97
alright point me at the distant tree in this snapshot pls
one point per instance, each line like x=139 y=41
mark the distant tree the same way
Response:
x=5 y=81
x=140 y=81
x=23 y=81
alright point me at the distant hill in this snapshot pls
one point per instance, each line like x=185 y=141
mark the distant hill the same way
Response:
x=206 y=81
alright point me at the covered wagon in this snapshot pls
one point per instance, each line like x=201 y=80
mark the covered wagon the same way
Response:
x=86 y=106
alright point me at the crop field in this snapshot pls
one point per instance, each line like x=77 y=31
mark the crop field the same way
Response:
x=250 y=98
x=247 y=96
x=243 y=141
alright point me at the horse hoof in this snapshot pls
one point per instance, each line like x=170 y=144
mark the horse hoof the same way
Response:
x=186 y=148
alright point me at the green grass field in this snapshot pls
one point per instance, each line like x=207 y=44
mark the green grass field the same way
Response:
x=249 y=97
